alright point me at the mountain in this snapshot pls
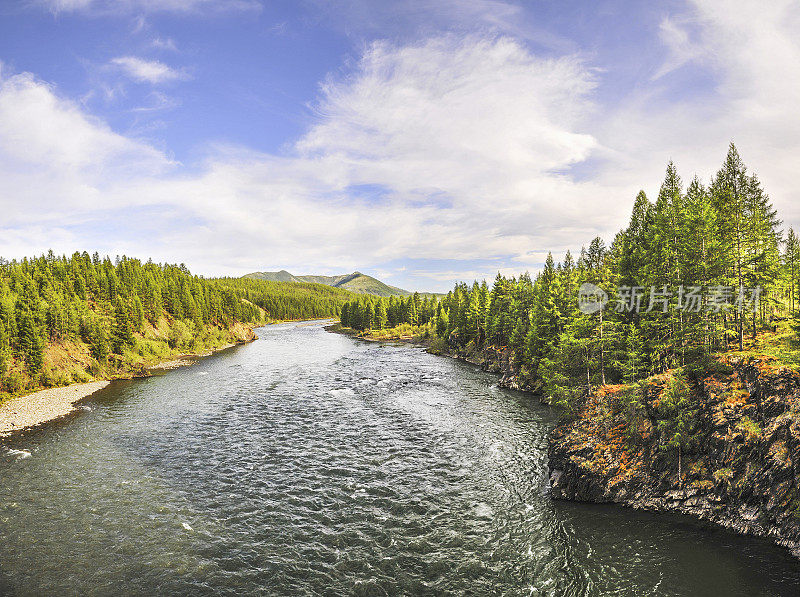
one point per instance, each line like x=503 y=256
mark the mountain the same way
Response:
x=355 y=282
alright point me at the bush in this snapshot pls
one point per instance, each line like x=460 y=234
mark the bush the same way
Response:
x=180 y=336
x=78 y=375
x=717 y=366
x=48 y=378
x=633 y=410
x=438 y=346
x=13 y=382
x=749 y=428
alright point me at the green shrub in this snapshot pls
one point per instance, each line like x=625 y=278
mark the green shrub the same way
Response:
x=13 y=382
x=437 y=346
x=750 y=429
x=78 y=375
x=180 y=336
x=633 y=410
x=723 y=474
x=49 y=378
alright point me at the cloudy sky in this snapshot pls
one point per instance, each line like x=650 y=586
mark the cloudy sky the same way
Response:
x=421 y=142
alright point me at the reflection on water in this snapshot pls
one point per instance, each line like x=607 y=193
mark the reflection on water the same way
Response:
x=309 y=463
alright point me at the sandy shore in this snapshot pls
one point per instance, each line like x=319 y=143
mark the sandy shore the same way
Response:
x=40 y=407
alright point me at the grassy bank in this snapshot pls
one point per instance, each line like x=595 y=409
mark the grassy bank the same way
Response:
x=404 y=332
x=73 y=362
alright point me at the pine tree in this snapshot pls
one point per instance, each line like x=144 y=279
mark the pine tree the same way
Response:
x=98 y=340
x=121 y=334
x=369 y=317
x=791 y=260
x=380 y=315
x=634 y=366
x=747 y=226
x=412 y=312
x=442 y=323
x=545 y=317
x=3 y=349
x=31 y=343
x=677 y=416
x=702 y=268
x=473 y=315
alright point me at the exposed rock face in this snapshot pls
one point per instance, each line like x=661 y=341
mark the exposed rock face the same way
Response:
x=495 y=359
x=738 y=468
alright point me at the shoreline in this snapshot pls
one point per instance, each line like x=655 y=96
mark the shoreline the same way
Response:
x=26 y=412
x=31 y=410
x=337 y=328
x=676 y=501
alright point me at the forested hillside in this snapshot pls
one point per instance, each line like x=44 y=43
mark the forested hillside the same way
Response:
x=355 y=282
x=68 y=319
x=287 y=300
x=701 y=270
x=697 y=271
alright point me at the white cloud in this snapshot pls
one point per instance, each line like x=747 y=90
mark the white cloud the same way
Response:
x=463 y=135
x=164 y=44
x=157 y=101
x=751 y=56
x=130 y=6
x=57 y=162
x=147 y=71
x=457 y=100
x=682 y=50
x=468 y=143
x=67 y=5
x=425 y=18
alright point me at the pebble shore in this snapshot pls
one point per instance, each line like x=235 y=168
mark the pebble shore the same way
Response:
x=46 y=405
x=34 y=409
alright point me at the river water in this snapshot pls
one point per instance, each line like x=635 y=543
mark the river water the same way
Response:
x=309 y=463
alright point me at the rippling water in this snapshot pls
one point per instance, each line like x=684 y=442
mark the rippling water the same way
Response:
x=309 y=463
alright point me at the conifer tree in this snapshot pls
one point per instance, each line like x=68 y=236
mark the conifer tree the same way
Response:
x=634 y=364
x=31 y=343
x=791 y=260
x=380 y=315
x=121 y=334
x=442 y=323
x=3 y=349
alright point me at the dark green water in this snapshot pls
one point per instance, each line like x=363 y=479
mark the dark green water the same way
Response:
x=307 y=463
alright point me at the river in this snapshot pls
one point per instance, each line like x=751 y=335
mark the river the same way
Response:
x=310 y=463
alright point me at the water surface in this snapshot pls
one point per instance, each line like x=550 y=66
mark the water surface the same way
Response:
x=308 y=463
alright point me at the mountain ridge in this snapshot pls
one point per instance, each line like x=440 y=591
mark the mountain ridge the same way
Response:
x=354 y=282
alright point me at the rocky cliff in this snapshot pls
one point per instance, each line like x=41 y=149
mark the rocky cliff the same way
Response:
x=495 y=359
x=727 y=451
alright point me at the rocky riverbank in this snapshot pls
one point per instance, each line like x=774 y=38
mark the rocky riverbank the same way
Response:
x=739 y=467
x=737 y=463
x=30 y=410
x=494 y=359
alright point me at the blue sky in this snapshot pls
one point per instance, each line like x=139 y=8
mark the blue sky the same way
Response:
x=422 y=142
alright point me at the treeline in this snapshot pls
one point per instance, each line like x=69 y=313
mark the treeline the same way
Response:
x=288 y=300
x=377 y=313
x=673 y=277
x=108 y=316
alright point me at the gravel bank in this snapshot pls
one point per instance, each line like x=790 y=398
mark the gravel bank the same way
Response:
x=33 y=409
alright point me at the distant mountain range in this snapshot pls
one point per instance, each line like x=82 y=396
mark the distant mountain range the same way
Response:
x=355 y=282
